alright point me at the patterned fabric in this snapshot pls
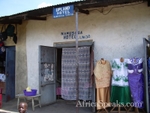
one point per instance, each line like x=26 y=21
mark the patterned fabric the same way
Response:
x=102 y=74
x=68 y=83
x=120 y=82
x=136 y=81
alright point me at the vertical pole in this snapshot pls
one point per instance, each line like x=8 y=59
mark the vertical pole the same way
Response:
x=145 y=42
x=77 y=61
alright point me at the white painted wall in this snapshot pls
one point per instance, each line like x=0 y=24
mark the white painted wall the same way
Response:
x=117 y=34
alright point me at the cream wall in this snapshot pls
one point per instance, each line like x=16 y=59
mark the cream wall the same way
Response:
x=117 y=34
x=21 y=59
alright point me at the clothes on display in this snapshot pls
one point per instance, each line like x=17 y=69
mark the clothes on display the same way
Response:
x=68 y=81
x=120 y=91
x=102 y=72
x=136 y=81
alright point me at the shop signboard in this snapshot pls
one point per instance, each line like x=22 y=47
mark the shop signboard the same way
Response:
x=64 y=11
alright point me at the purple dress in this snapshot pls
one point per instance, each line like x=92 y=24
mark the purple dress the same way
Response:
x=136 y=81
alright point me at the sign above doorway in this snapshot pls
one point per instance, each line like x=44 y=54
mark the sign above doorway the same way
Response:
x=63 y=11
x=72 y=35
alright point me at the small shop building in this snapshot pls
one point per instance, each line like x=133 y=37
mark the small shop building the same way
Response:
x=106 y=29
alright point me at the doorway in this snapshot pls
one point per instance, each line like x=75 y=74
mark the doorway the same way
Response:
x=66 y=65
x=59 y=50
x=57 y=61
x=146 y=44
x=7 y=73
x=58 y=77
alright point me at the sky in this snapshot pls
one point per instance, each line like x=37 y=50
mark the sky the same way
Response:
x=9 y=7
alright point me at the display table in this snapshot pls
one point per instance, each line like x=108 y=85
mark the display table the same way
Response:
x=32 y=98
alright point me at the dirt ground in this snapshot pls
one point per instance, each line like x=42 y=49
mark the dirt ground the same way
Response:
x=61 y=106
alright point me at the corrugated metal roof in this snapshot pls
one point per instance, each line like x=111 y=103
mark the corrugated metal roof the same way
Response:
x=76 y=1
x=37 y=13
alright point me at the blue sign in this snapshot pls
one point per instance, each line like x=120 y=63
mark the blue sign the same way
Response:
x=63 y=11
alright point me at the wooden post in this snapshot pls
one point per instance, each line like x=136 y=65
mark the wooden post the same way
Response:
x=77 y=60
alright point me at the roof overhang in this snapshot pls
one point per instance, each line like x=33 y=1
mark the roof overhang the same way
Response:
x=41 y=14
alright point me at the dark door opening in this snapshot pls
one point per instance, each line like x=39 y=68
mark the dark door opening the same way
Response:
x=146 y=44
x=2 y=73
x=59 y=74
x=10 y=73
x=58 y=77
x=7 y=73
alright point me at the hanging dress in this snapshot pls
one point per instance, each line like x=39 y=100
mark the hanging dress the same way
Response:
x=120 y=92
x=136 y=81
x=102 y=74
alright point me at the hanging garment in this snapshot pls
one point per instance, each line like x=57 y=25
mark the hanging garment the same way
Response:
x=85 y=89
x=69 y=84
x=136 y=82
x=102 y=72
x=103 y=98
x=120 y=92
